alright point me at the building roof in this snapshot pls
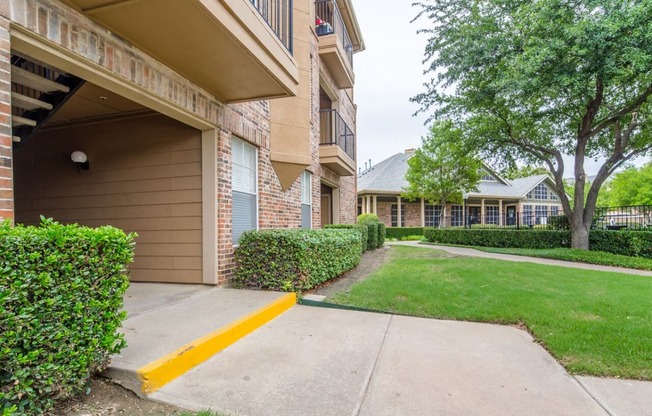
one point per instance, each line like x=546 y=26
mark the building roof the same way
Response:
x=388 y=177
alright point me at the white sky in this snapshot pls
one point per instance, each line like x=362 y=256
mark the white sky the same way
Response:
x=387 y=74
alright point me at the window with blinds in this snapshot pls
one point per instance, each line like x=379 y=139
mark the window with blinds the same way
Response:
x=244 y=179
x=306 y=200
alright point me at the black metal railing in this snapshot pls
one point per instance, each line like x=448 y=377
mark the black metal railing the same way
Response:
x=334 y=131
x=605 y=218
x=278 y=15
x=329 y=21
x=639 y=216
x=546 y=219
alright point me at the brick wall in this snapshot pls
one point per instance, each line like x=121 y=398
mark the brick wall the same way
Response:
x=6 y=171
x=411 y=213
x=96 y=45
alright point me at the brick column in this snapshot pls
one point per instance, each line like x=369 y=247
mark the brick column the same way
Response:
x=6 y=157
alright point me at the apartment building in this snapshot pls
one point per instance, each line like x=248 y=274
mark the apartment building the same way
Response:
x=187 y=122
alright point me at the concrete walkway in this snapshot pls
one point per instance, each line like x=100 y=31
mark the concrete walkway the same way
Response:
x=463 y=251
x=317 y=361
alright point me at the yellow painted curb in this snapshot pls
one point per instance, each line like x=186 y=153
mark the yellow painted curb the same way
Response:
x=160 y=372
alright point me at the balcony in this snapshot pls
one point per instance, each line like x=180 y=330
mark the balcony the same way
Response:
x=337 y=144
x=239 y=50
x=335 y=46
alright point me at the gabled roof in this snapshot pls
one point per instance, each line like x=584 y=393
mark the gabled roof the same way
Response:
x=388 y=177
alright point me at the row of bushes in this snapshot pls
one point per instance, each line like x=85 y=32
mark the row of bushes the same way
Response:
x=61 y=304
x=293 y=260
x=636 y=244
x=400 y=233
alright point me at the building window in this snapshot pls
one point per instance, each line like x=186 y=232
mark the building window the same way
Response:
x=487 y=177
x=554 y=210
x=244 y=177
x=541 y=192
x=457 y=216
x=306 y=199
x=541 y=212
x=394 y=214
x=527 y=215
x=433 y=215
x=492 y=214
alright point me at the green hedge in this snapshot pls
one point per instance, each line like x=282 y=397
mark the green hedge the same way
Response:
x=372 y=232
x=362 y=229
x=625 y=242
x=382 y=231
x=628 y=243
x=61 y=299
x=294 y=259
x=499 y=238
x=402 y=232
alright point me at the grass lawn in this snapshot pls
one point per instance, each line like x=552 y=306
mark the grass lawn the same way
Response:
x=583 y=256
x=594 y=323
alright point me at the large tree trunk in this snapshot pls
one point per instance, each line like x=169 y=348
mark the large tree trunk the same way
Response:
x=579 y=235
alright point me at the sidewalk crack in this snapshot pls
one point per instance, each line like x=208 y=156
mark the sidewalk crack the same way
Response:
x=365 y=389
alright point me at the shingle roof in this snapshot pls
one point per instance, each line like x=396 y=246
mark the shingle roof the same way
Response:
x=389 y=176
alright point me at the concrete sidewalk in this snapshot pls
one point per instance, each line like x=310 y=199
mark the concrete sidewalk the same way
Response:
x=317 y=361
x=464 y=251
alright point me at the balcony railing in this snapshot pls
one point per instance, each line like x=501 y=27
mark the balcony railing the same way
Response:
x=331 y=22
x=334 y=131
x=278 y=15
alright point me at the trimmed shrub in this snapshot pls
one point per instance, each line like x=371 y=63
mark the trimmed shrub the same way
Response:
x=293 y=260
x=628 y=243
x=372 y=233
x=402 y=232
x=625 y=242
x=382 y=230
x=364 y=232
x=61 y=304
x=558 y=222
x=368 y=218
x=499 y=238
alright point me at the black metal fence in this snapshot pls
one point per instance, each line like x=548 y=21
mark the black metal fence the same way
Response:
x=605 y=218
x=329 y=21
x=335 y=131
x=525 y=219
x=278 y=15
x=633 y=217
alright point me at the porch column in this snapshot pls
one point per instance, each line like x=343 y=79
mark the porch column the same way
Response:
x=399 y=214
x=423 y=212
x=6 y=152
x=376 y=204
x=209 y=139
x=500 y=212
x=482 y=212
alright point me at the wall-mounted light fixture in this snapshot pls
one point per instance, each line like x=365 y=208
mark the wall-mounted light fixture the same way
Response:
x=80 y=159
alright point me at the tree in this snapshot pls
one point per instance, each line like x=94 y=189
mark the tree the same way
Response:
x=442 y=169
x=515 y=172
x=534 y=80
x=632 y=187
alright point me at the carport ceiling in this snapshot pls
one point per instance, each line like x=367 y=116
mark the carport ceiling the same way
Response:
x=92 y=101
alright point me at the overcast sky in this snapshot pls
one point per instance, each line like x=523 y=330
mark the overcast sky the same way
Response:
x=387 y=74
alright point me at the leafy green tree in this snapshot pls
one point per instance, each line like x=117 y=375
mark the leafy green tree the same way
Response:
x=632 y=187
x=515 y=172
x=534 y=80
x=442 y=169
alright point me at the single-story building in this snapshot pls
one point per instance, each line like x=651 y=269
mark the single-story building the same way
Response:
x=526 y=201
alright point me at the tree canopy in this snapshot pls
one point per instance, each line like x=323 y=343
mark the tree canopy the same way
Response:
x=632 y=186
x=442 y=169
x=533 y=80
